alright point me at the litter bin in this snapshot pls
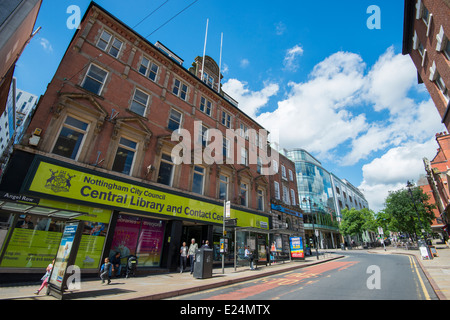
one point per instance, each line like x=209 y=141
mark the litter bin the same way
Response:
x=131 y=266
x=203 y=263
x=342 y=246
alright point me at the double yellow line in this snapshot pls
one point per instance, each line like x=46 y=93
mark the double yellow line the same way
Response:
x=422 y=284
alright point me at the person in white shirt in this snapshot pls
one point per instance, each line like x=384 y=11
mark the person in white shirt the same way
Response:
x=191 y=253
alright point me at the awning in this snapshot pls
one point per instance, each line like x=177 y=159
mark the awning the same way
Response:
x=17 y=203
x=265 y=231
x=252 y=229
x=285 y=231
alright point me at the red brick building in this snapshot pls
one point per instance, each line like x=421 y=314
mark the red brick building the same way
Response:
x=437 y=188
x=99 y=149
x=426 y=39
x=287 y=217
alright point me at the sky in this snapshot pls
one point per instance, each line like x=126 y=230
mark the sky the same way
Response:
x=325 y=76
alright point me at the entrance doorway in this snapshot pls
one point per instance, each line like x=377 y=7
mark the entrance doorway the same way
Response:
x=200 y=233
x=190 y=232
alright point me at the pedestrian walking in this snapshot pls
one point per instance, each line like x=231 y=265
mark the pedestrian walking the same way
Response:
x=249 y=256
x=193 y=247
x=46 y=277
x=183 y=256
x=106 y=271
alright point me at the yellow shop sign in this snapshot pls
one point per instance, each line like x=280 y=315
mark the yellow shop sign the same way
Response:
x=54 y=180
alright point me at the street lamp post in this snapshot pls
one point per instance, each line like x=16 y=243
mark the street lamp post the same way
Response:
x=314 y=229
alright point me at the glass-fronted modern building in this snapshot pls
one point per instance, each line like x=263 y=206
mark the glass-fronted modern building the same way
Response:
x=316 y=198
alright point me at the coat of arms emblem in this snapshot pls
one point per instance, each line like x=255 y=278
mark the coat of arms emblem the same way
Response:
x=59 y=181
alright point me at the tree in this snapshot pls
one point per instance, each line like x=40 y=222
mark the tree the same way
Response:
x=403 y=211
x=355 y=222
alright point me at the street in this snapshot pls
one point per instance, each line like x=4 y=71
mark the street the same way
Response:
x=357 y=276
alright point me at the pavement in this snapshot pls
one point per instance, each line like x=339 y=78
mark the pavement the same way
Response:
x=169 y=285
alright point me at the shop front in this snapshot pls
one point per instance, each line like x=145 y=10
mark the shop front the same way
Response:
x=287 y=231
x=120 y=215
x=32 y=228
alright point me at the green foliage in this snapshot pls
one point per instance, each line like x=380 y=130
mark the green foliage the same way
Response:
x=355 y=222
x=402 y=211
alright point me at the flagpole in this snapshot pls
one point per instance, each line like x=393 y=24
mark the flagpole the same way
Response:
x=220 y=61
x=204 y=48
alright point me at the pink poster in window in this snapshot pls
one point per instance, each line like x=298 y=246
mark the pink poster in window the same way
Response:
x=125 y=235
x=150 y=242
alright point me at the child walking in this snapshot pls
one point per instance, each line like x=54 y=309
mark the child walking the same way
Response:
x=44 y=279
x=106 y=271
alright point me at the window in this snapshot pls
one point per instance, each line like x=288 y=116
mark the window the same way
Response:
x=203 y=136
x=139 y=103
x=180 y=89
x=149 y=69
x=447 y=49
x=104 y=40
x=174 y=120
x=283 y=172
x=208 y=79
x=277 y=190
x=226 y=147
x=258 y=140
x=260 y=196
x=244 y=194
x=286 y=195
x=244 y=131
x=198 y=180
x=293 y=197
x=94 y=79
x=275 y=166
x=441 y=85
x=259 y=165
x=226 y=119
x=165 y=175
x=109 y=44
x=125 y=156
x=223 y=187
x=442 y=43
x=70 y=138
x=421 y=49
x=205 y=106
x=291 y=175
x=425 y=15
x=244 y=156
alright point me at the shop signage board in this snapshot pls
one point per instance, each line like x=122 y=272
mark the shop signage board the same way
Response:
x=65 y=258
x=60 y=181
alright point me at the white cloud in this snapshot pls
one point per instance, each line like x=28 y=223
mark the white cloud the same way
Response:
x=225 y=69
x=391 y=171
x=345 y=112
x=290 y=60
x=249 y=101
x=312 y=116
x=389 y=81
x=280 y=28
x=244 y=63
x=46 y=45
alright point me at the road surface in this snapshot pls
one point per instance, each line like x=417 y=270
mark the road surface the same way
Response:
x=357 y=276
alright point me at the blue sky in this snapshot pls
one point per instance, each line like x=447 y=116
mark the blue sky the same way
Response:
x=311 y=71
